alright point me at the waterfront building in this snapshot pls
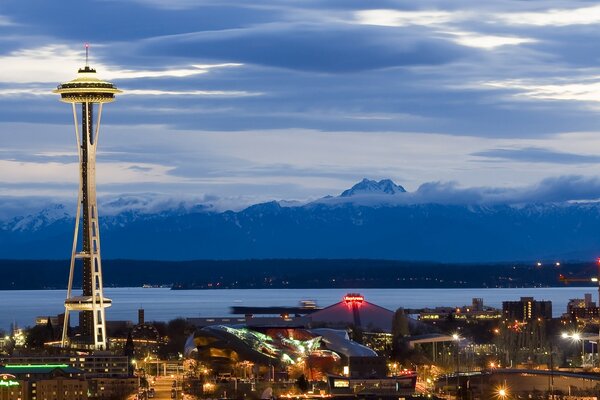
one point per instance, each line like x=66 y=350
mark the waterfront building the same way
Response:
x=91 y=93
x=526 y=309
x=477 y=311
x=582 y=310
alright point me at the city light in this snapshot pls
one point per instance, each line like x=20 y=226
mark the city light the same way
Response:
x=502 y=393
x=576 y=337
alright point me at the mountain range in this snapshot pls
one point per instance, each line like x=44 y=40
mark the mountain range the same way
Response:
x=371 y=220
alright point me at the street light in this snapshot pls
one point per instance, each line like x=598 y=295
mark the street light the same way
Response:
x=457 y=338
x=576 y=337
x=502 y=393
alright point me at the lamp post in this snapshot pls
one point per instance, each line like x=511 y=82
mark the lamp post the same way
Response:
x=576 y=337
x=502 y=392
x=456 y=338
x=593 y=343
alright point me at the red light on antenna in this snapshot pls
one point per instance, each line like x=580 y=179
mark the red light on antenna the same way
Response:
x=87 y=45
x=598 y=260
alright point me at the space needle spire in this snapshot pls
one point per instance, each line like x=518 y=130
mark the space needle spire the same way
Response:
x=91 y=92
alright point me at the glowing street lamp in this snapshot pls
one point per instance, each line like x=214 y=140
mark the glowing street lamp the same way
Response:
x=457 y=338
x=502 y=393
x=576 y=337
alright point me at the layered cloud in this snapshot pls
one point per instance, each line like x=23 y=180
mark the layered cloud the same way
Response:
x=556 y=189
x=555 y=16
x=296 y=100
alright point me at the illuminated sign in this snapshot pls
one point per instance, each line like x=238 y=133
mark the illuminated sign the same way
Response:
x=7 y=380
x=354 y=298
x=339 y=383
x=36 y=366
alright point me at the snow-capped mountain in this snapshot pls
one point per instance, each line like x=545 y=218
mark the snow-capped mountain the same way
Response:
x=39 y=220
x=392 y=224
x=370 y=187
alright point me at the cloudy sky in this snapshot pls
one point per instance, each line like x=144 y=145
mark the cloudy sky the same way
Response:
x=297 y=99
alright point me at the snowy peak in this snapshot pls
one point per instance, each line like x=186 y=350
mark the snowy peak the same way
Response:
x=367 y=186
x=38 y=220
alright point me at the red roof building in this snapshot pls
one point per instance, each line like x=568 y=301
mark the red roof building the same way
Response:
x=354 y=310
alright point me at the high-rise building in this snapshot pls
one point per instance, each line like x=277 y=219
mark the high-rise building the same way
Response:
x=89 y=91
x=526 y=309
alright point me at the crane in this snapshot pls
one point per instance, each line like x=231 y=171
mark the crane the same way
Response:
x=566 y=281
x=596 y=279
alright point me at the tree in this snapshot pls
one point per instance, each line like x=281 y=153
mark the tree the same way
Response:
x=177 y=332
x=37 y=336
x=356 y=334
x=400 y=326
x=302 y=384
x=399 y=331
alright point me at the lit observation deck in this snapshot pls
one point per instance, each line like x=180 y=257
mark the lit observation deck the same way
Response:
x=87 y=88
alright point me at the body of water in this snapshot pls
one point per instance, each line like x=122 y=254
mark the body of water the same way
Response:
x=161 y=304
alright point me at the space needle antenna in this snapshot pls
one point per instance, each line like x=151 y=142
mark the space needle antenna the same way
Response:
x=87 y=48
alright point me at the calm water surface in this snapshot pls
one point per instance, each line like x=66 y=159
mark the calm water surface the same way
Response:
x=22 y=306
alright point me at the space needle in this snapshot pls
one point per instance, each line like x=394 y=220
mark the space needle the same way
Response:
x=91 y=92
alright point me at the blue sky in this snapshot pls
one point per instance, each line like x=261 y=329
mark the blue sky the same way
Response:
x=238 y=102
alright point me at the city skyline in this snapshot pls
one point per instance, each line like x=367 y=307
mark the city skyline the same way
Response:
x=245 y=103
x=299 y=200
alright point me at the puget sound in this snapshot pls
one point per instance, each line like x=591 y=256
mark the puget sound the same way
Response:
x=162 y=304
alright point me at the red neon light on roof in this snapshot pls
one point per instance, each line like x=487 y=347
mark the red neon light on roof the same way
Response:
x=354 y=298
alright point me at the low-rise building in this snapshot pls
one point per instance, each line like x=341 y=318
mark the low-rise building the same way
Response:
x=42 y=382
x=477 y=311
x=96 y=365
x=112 y=388
x=57 y=378
x=582 y=310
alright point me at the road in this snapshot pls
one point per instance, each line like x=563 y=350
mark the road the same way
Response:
x=163 y=387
